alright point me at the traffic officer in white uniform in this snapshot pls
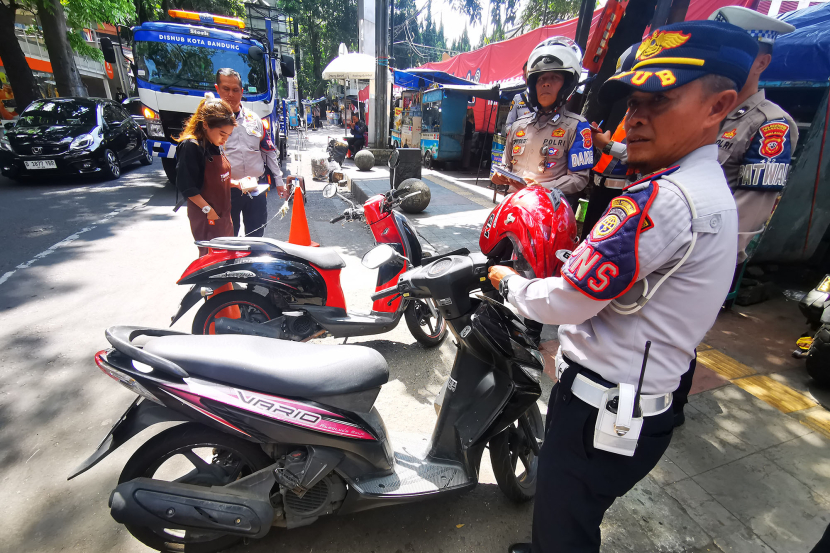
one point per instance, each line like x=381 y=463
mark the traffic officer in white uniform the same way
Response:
x=520 y=106
x=655 y=269
x=551 y=147
x=249 y=149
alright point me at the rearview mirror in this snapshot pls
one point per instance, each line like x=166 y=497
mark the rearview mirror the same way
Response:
x=8 y=126
x=330 y=190
x=255 y=53
x=377 y=256
x=393 y=158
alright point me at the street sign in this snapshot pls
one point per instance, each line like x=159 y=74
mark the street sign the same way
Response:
x=108 y=67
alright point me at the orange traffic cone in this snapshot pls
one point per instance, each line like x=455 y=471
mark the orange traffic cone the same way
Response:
x=230 y=312
x=299 y=234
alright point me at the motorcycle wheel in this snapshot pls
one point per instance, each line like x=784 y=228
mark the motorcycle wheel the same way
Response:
x=428 y=330
x=507 y=448
x=253 y=308
x=818 y=359
x=192 y=454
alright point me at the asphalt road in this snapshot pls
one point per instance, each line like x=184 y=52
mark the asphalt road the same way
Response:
x=80 y=256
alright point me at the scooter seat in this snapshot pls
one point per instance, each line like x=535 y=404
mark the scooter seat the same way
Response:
x=325 y=258
x=275 y=366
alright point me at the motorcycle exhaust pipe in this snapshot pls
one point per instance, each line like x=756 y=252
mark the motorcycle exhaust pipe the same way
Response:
x=224 y=325
x=159 y=504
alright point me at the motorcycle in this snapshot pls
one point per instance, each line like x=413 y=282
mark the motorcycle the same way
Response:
x=279 y=433
x=815 y=346
x=293 y=292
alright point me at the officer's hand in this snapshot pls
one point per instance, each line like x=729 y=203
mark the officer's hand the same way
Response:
x=500 y=180
x=282 y=190
x=601 y=139
x=212 y=216
x=529 y=181
x=498 y=272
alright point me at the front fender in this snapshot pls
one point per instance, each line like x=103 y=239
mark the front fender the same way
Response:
x=140 y=414
x=189 y=300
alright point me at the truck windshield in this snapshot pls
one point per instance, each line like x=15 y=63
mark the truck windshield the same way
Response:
x=189 y=66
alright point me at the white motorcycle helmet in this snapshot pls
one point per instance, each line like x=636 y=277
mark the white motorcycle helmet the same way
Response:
x=557 y=53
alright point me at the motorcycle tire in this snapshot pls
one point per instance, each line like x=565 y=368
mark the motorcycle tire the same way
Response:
x=818 y=359
x=253 y=308
x=510 y=446
x=239 y=458
x=419 y=320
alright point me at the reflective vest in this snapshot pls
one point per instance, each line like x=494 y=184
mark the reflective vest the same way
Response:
x=608 y=165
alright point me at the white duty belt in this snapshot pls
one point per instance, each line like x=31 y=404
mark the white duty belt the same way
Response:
x=592 y=392
x=608 y=182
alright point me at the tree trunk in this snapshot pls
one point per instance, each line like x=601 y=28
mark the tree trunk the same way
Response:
x=53 y=20
x=22 y=80
x=633 y=24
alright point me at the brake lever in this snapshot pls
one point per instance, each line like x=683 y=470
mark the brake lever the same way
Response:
x=392 y=299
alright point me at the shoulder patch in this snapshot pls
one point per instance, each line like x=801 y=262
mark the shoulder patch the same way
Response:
x=581 y=153
x=605 y=266
x=766 y=163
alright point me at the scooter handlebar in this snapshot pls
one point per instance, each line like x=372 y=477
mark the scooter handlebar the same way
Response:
x=338 y=218
x=380 y=294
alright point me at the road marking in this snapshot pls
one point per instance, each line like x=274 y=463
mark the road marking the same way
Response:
x=780 y=396
x=69 y=239
x=817 y=419
x=723 y=364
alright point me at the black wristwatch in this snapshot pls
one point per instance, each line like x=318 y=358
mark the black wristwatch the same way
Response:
x=503 y=290
x=607 y=148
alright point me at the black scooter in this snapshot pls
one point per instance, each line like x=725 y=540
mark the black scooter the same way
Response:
x=280 y=433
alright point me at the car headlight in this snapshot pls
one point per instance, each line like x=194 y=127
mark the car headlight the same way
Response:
x=154 y=129
x=81 y=142
x=5 y=144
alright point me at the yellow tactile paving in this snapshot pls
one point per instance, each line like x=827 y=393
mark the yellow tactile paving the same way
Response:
x=723 y=364
x=818 y=420
x=780 y=396
x=703 y=347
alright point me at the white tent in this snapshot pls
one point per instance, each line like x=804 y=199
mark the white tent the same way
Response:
x=351 y=66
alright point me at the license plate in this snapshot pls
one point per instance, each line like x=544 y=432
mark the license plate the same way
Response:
x=42 y=164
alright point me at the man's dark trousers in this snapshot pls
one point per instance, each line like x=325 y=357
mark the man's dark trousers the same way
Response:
x=253 y=210
x=578 y=483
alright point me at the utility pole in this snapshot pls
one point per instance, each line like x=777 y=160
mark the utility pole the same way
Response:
x=380 y=108
x=583 y=26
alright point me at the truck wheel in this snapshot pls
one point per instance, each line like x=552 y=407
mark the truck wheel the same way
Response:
x=169 y=165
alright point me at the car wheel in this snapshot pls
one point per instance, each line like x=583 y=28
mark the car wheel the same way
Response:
x=112 y=167
x=146 y=156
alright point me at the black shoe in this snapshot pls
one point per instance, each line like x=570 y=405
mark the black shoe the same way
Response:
x=679 y=418
x=519 y=548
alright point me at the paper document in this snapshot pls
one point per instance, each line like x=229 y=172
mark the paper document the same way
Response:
x=512 y=176
x=260 y=188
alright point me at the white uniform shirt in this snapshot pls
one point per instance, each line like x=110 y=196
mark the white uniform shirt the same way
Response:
x=249 y=148
x=683 y=308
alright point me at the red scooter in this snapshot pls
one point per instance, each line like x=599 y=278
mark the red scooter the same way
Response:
x=293 y=292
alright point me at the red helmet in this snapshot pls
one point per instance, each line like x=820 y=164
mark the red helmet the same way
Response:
x=530 y=227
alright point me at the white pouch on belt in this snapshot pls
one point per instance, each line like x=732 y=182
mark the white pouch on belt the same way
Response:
x=617 y=430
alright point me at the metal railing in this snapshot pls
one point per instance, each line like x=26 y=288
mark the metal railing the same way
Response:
x=34 y=47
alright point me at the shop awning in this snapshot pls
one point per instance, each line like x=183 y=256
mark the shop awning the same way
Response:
x=351 y=66
x=485 y=91
x=422 y=78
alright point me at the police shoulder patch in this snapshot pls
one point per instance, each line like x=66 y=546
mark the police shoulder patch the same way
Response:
x=766 y=163
x=605 y=265
x=581 y=152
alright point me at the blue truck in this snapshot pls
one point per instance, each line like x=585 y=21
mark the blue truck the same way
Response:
x=176 y=64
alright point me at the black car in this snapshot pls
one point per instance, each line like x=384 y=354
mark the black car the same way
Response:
x=72 y=136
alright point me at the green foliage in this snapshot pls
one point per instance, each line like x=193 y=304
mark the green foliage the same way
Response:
x=546 y=12
x=322 y=26
x=83 y=48
x=420 y=41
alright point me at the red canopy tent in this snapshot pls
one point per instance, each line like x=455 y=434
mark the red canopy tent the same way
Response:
x=502 y=61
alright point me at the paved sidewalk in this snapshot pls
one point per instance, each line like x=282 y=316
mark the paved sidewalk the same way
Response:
x=749 y=472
